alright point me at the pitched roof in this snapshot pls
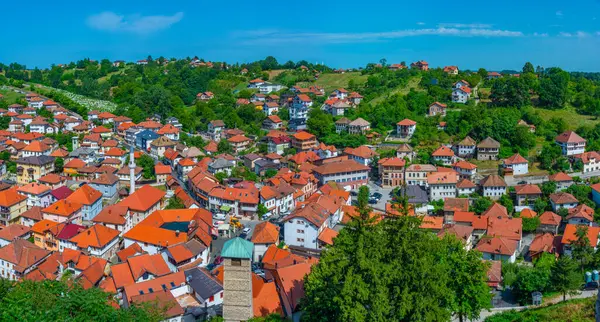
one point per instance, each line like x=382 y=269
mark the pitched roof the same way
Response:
x=441 y=178
x=36 y=146
x=465 y=184
x=493 y=180
x=406 y=122
x=456 y=204
x=63 y=208
x=582 y=211
x=97 y=236
x=10 y=197
x=569 y=137
x=362 y=151
x=327 y=235
x=497 y=245
x=560 y=176
x=303 y=136
x=237 y=248
x=489 y=143
x=570 y=234
x=265 y=233
x=542 y=243
x=340 y=166
x=550 y=218
x=13 y=231
x=22 y=254
x=443 y=151
x=515 y=159
x=85 y=195
x=562 y=198
x=113 y=214
x=143 y=198
x=528 y=189
x=466 y=165
x=528 y=213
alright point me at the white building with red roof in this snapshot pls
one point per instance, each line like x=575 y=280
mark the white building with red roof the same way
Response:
x=590 y=161
x=406 y=128
x=570 y=143
x=461 y=94
x=517 y=164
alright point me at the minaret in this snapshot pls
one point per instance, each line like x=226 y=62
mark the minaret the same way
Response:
x=131 y=171
x=237 y=280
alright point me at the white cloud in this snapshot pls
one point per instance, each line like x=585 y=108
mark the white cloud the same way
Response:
x=465 y=25
x=420 y=23
x=277 y=37
x=559 y=13
x=538 y=34
x=577 y=34
x=110 y=21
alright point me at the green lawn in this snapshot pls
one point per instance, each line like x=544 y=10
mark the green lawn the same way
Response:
x=332 y=81
x=581 y=310
x=413 y=83
x=10 y=96
x=573 y=119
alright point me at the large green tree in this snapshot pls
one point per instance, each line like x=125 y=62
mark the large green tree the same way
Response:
x=565 y=277
x=554 y=88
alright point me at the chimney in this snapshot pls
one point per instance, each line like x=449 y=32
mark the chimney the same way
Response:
x=177 y=233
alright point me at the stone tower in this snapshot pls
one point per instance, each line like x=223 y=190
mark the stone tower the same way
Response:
x=131 y=171
x=237 y=280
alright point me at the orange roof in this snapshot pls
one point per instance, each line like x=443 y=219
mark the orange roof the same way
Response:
x=100 y=129
x=327 y=235
x=113 y=214
x=501 y=226
x=59 y=153
x=34 y=188
x=443 y=151
x=121 y=275
x=36 y=146
x=432 y=222
x=162 y=169
x=43 y=225
x=131 y=250
x=528 y=213
x=85 y=195
x=462 y=164
x=497 y=245
x=168 y=129
x=303 y=136
x=97 y=236
x=562 y=198
x=528 y=189
x=265 y=297
x=143 y=198
x=63 y=208
x=582 y=211
x=75 y=164
x=406 y=122
x=265 y=233
x=238 y=138
x=10 y=197
x=441 y=178
x=456 y=204
x=560 y=176
x=362 y=151
x=569 y=137
x=550 y=218
x=515 y=159
x=570 y=236
x=152 y=264
x=542 y=243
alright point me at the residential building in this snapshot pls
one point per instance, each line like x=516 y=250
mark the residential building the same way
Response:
x=406 y=152
x=465 y=187
x=99 y=241
x=570 y=143
x=590 y=161
x=421 y=64
x=562 y=200
x=107 y=184
x=144 y=138
x=549 y=222
x=498 y=248
x=299 y=111
x=581 y=215
x=493 y=186
x=570 y=236
x=278 y=199
x=303 y=226
x=31 y=169
x=442 y=185
x=443 y=155
x=416 y=174
x=461 y=94
x=239 y=143
x=341 y=125
x=526 y=195
x=488 y=149
x=563 y=180
x=362 y=154
x=465 y=169
x=63 y=211
x=359 y=126
x=346 y=172
x=264 y=235
x=406 y=128
x=451 y=70
x=391 y=172
x=143 y=202
x=437 y=108
x=89 y=198
x=303 y=141
x=466 y=147
x=19 y=258
x=516 y=164
x=160 y=145
x=272 y=122
x=12 y=205
x=38 y=195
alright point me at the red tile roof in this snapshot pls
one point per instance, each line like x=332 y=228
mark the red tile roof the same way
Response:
x=143 y=198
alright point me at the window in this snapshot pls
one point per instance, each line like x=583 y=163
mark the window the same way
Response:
x=164 y=287
x=300 y=231
x=221 y=294
x=211 y=298
x=150 y=290
x=236 y=262
x=141 y=292
x=300 y=240
x=172 y=284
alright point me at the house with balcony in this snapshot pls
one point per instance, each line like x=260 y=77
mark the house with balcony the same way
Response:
x=299 y=111
x=12 y=205
x=437 y=108
x=466 y=148
x=493 y=186
x=303 y=141
x=516 y=165
x=391 y=172
x=488 y=149
x=30 y=169
x=526 y=195
x=570 y=143
x=443 y=155
x=406 y=128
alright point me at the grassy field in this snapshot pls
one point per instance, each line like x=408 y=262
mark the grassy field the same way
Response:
x=274 y=73
x=581 y=310
x=333 y=81
x=10 y=96
x=413 y=83
x=573 y=119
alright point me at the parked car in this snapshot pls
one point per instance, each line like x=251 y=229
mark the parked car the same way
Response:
x=377 y=195
x=373 y=201
x=219 y=216
x=246 y=230
x=218 y=260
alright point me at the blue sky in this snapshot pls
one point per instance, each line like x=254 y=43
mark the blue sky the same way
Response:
x=471 y=34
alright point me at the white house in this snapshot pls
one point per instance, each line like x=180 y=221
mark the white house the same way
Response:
x=303 y=226
x=590 y=161
x=461 y=94
x=563 y=200
x=493 y=186
x=466 y=148
x=266 y=87
x=442 y=185
x=518 y=164
x=406 y=128
x=98 y=240
x=571 y=143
